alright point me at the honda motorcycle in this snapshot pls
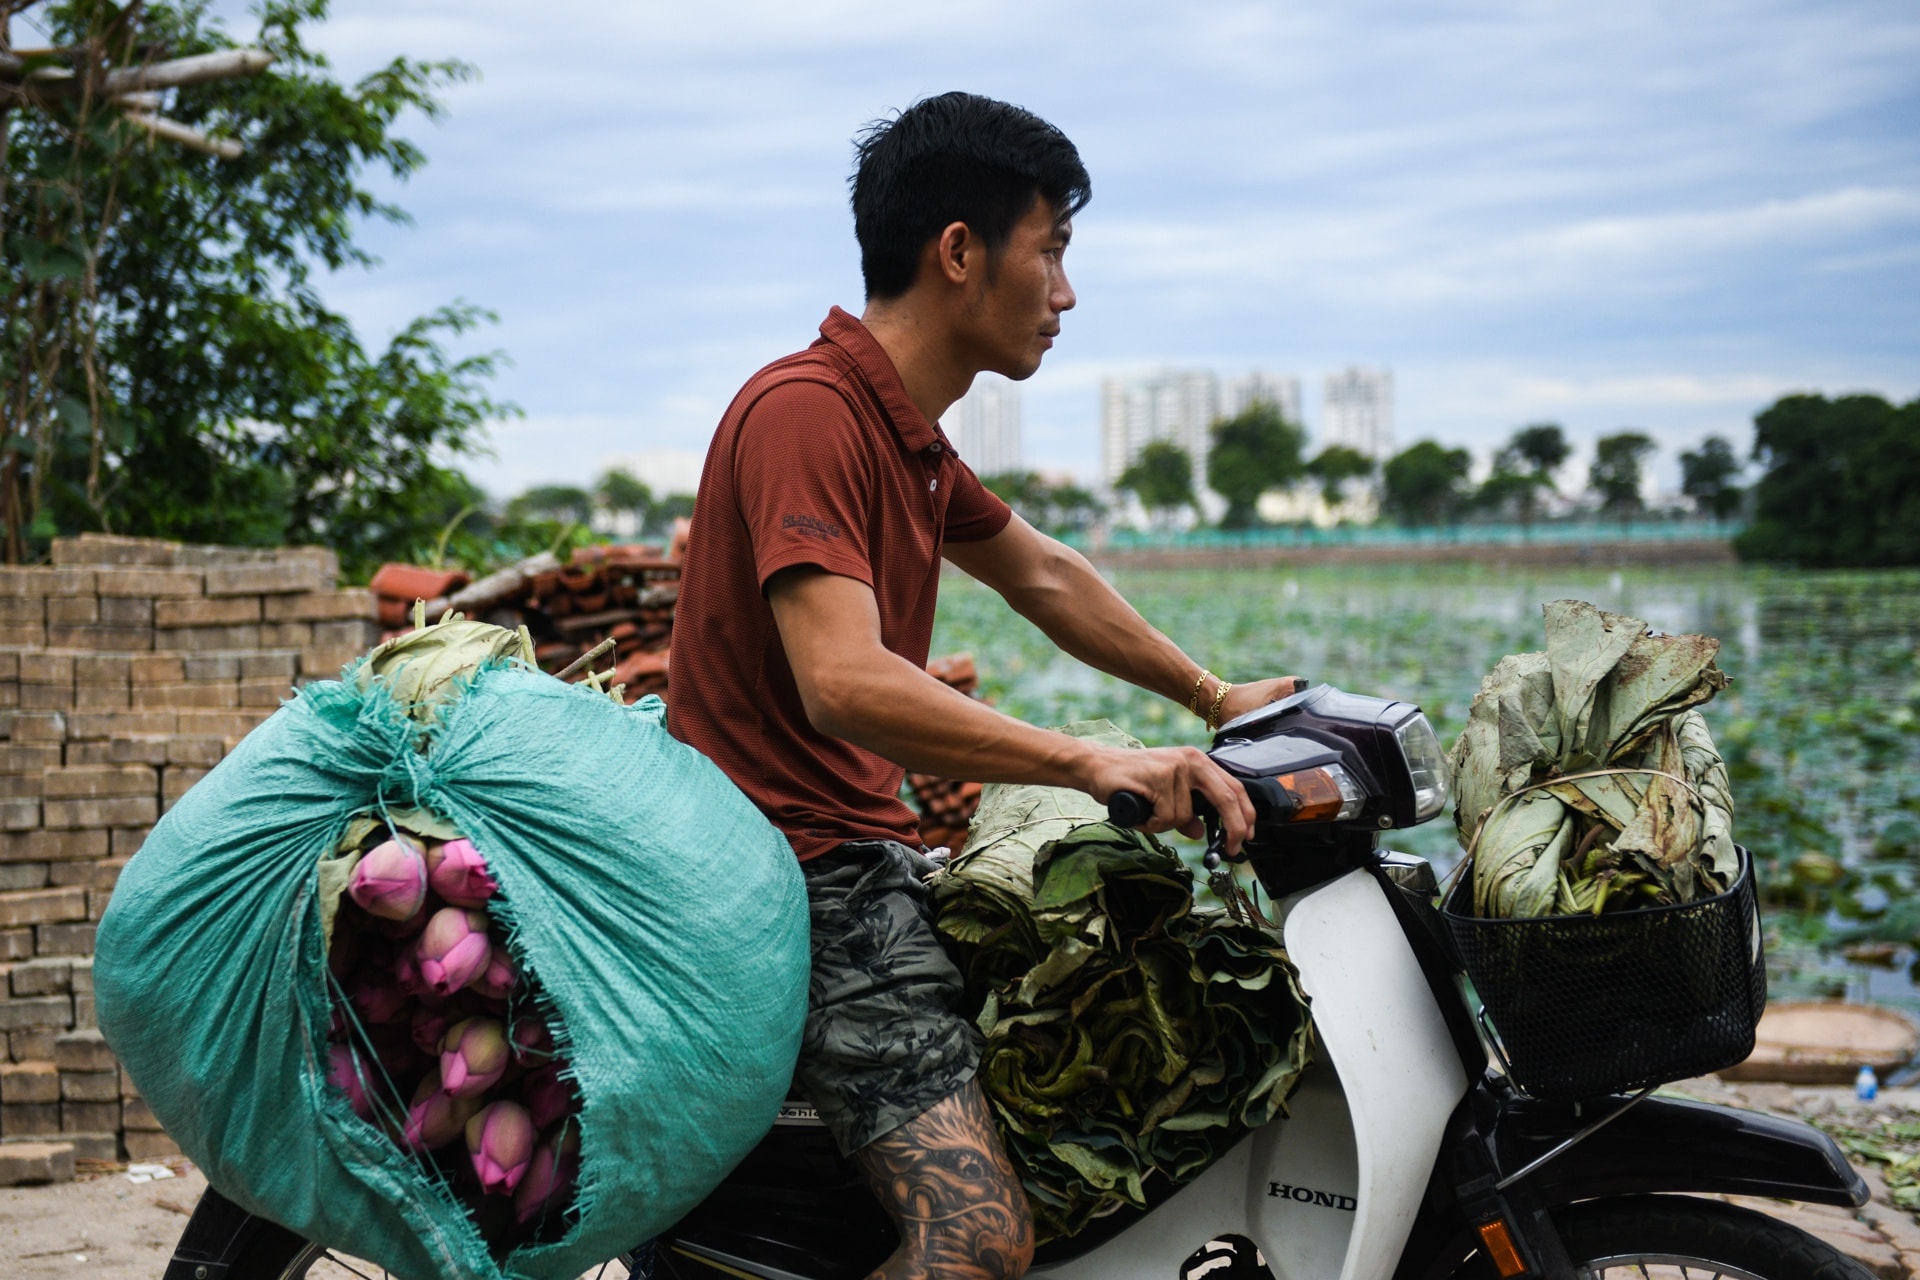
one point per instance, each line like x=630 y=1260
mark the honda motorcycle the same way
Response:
x=1408 y=1153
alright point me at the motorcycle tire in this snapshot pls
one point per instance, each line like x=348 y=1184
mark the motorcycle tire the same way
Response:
x=1638 y=1235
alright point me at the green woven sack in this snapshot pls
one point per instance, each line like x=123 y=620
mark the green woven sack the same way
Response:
x=660 y=912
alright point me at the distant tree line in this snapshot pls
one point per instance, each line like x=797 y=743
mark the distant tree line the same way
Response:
x=1839 y=482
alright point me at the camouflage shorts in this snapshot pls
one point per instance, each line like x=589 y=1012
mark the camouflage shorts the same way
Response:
x=885 y=1038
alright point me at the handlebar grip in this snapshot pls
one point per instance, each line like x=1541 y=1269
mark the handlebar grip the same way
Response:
x=1129 y=809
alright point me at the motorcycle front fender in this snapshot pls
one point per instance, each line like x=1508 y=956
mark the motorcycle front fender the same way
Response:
x=1675 y=1145
x=1660 y=1145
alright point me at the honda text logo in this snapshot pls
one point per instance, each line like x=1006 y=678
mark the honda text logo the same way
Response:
x=1307 y=1195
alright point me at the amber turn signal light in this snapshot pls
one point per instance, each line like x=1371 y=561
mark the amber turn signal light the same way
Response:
x=1325 y=794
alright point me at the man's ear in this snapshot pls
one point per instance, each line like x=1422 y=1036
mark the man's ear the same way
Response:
x=957 y=253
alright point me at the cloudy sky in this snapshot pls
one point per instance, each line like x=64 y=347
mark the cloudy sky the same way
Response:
x=1632 y=214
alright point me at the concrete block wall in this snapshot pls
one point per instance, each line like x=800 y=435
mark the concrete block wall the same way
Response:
x=128 y=668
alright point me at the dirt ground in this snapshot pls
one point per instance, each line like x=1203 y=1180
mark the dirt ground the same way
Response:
x=101 y=1228
x=104 y=1227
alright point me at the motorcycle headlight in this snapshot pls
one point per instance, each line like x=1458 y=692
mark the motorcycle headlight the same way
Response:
x=1426 y=765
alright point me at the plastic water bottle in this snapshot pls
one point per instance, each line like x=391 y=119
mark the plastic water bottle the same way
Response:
x=1866 y=1085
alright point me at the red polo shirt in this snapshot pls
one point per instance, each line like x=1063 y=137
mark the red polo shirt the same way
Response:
x=822 y=460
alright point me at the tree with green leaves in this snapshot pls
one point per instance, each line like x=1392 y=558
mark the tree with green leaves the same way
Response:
x=619 y=492
x=1707 y=475
x=1841 y=485
x=1618 y=469
x=1336 y=464
x=1050 y=506
x=665 y=510
x=1253 y=452
x=1523 y=467
x=1507 y=492
x=1161 y=477
x=568 y=504
x=1426 y=483
x=219 y=398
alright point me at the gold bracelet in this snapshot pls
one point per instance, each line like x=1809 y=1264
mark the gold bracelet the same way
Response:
x=1219 y=701
x=1193 y=699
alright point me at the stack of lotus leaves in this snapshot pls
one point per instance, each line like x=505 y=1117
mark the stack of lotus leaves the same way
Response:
x=1587 y=781
x=1129 y=1036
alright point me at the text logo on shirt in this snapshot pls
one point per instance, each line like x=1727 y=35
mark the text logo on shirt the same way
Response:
x=812 y=527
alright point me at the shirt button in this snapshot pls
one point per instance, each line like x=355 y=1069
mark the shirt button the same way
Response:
x=935 y=446
x=933 y=485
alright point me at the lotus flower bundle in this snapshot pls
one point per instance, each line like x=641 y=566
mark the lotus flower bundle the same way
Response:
x=439 y=1039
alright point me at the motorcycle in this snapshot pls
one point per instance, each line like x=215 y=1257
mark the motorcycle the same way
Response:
x=1408 y=1152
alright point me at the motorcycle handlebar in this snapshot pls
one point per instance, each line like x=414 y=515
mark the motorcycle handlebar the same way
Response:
x=1131 y=809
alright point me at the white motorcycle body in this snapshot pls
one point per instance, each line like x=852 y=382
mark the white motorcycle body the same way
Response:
x=1331 y=1191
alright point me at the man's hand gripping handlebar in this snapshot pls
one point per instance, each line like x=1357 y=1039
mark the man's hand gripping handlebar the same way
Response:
x=1173 y=789
x=1132 y=810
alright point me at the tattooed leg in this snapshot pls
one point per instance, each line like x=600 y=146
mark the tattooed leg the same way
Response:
x=946 y=1179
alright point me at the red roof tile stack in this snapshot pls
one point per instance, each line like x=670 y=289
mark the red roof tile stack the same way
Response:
x=624 y=594
x=946 y=805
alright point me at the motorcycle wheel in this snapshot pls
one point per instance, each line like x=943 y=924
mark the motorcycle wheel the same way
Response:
x=1680 y=1238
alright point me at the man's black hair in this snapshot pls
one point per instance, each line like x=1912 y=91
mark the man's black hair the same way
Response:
x=958 y=157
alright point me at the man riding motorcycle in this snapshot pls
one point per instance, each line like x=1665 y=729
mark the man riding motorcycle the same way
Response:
x=829 y=499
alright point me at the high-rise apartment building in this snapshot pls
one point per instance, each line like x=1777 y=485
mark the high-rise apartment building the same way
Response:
x=1357 y=411
x=1177 y=405
x=1259 y=387
x=984 y=426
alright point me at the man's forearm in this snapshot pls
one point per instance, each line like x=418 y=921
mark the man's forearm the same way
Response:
x=1082 y=613
x=897 y=711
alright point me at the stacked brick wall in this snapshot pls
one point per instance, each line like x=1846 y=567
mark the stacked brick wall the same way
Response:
x=128 y=668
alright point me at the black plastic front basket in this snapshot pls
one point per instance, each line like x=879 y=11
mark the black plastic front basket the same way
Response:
x=1591 y=1005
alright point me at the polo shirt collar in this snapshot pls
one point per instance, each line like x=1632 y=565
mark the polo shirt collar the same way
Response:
x=846 y=332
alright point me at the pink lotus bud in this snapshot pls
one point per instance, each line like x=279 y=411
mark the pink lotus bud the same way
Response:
x=390 y=880
x=453 y=949
x=500 y=1137
x=460 y=875
x=550 y=1175
x=435 y=1119
x=473 y=1057
x=548 y=1095
x=377 y=1001
x=532 y=1043
x=429 y=1028
x=347 y=1073
x=500 y=976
